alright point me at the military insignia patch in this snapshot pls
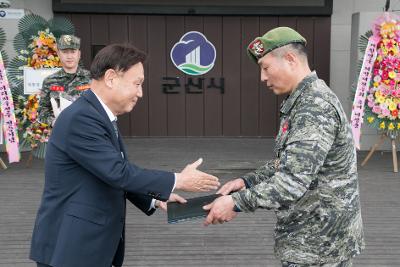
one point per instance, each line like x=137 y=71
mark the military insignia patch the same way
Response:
x=257 y=47
x=83 y=87
x=285 y=126
x=67 y=39
x=57 y=88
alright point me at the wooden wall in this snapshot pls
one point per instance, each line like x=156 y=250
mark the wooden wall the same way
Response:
x=246 y=108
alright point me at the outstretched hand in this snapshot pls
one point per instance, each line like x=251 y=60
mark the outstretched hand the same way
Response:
x=192 y=180
x=232 y=186
x=172 y=198
x=221 y=210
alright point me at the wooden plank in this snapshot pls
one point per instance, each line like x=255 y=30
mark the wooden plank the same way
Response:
x=99 y=26
x=213 y=96
x=137 y=35
x=176 y=102
x=157 y=68
x=194 y=102
x=120 y=22
x=269 y=109
x=83 y=31
x=322 y=46
x=231 y=60
x=249 y=83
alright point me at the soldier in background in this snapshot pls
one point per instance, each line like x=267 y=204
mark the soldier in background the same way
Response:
x=312 y=184
x=69 y=82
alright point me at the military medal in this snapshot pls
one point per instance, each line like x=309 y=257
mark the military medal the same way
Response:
x=285 y=126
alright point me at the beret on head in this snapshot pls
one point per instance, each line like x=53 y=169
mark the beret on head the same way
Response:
x=68 y=42
x=273 y=39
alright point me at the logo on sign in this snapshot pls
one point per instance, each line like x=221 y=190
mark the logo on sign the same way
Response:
x=193 y=54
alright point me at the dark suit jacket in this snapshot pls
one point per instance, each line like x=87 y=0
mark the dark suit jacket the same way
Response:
x=81 y=217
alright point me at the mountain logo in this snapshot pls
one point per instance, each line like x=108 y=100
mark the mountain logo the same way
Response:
x=193 y=54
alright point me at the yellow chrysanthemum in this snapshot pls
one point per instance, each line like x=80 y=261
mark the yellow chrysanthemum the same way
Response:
x=380 y=99
x=371 y=119
x=378 y=94
x=392 y=106
x=391 y=126
x=392 y=75
x=398 y=125
x=376 y=84
x=382 y=125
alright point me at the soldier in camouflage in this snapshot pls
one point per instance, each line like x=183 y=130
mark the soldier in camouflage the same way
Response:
x=312 y=184
x=69 y=82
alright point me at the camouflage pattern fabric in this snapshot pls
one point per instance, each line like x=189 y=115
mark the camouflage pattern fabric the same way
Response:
x=312 y=185
x=69 y=85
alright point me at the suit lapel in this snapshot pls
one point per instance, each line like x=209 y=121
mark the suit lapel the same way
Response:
x=92 y=99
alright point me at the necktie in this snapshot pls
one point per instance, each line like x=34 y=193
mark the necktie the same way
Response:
x=114 y=123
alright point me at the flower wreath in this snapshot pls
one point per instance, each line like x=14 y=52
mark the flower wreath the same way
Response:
x=35 y=45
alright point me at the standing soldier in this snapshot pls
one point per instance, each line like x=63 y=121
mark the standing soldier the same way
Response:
x=312 y=184
x=69 y=82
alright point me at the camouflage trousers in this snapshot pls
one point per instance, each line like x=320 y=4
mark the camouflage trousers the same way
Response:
x=346 y=263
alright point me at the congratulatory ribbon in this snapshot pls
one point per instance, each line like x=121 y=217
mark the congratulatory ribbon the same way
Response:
x=8 y=117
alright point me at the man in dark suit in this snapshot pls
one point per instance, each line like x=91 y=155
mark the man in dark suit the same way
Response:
x=80 y=222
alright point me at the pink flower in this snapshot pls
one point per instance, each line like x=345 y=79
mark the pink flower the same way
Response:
x=370 y=104
x=377 y=110
x=370 y=98
x=386 y=112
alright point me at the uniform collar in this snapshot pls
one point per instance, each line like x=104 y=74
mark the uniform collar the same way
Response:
x=291 y=99
x=79 y=71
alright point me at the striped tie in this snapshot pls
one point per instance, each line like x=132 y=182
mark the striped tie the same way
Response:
x=114 y=123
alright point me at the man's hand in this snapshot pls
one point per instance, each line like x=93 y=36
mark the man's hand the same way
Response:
x=193 y=180
x=232 y=186
x=172 y=198
x=221 y=210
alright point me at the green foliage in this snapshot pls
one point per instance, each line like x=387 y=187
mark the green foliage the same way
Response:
x=20 y=43
x=30 y=24
x=2 y=38
x=2 y=42
x=60 y=26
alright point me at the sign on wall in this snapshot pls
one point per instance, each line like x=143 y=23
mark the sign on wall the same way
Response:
x=9 y=13
x=193 y=54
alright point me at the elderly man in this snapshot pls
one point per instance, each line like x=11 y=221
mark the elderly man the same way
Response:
x=68 y=82
x=312 y=183
x=81 y=218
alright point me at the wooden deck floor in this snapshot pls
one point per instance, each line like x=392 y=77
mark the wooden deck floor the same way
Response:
x=246 y=241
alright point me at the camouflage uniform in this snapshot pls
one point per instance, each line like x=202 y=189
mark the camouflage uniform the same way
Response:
x=312 y=185
x=69 y=85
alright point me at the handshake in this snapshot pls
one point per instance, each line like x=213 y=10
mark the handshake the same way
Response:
x=192 y=180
